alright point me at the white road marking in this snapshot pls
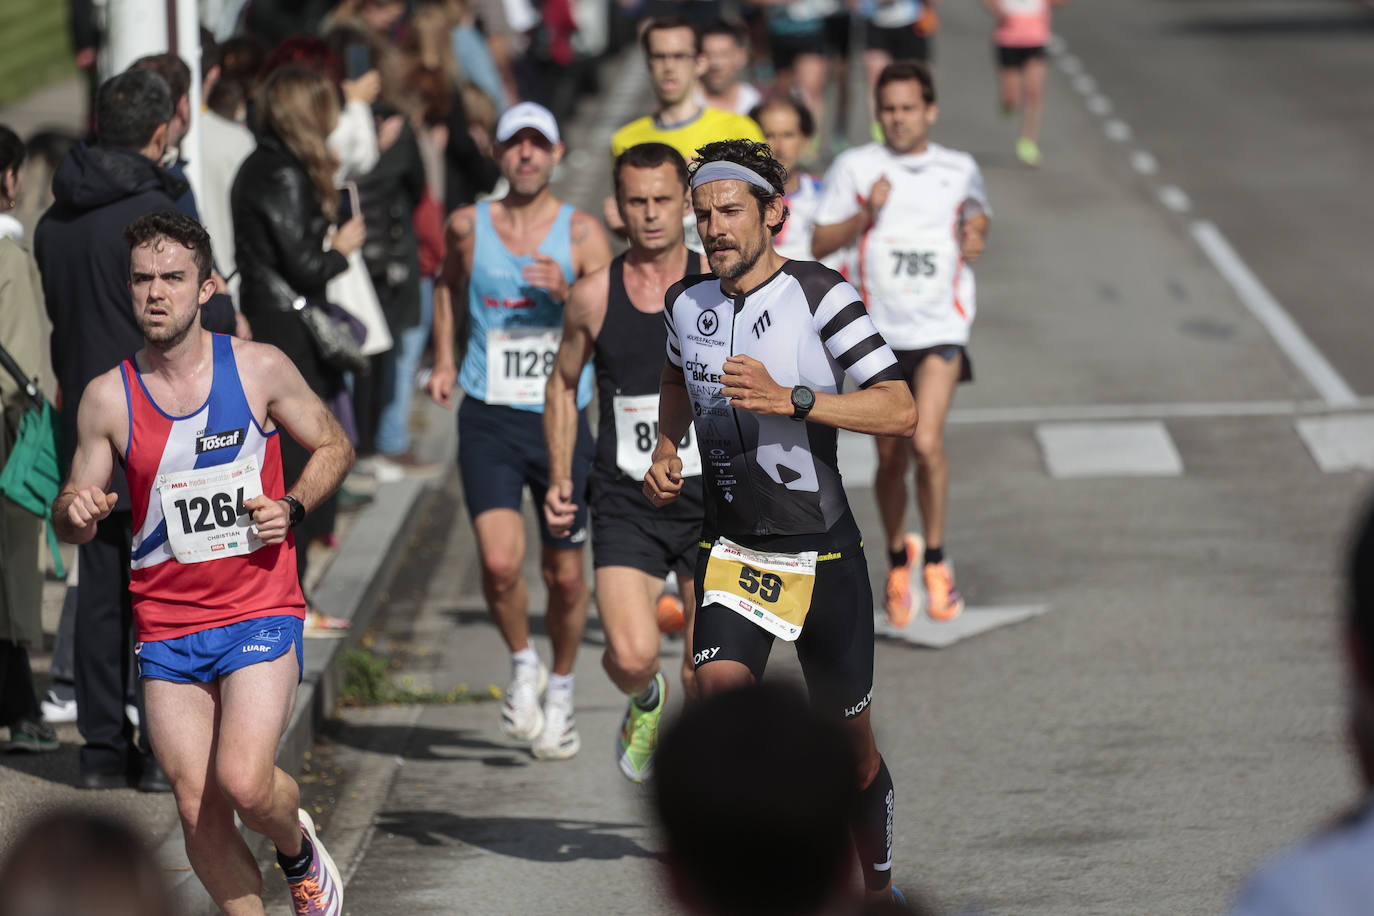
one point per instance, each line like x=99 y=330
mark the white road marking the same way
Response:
x=1175 y=198
x=1276 y=320
x=1117 y=130
x=1120 y=449
x=1144 y=163
x=1343 y=443
x=1099 y=105
x=1085 y=84
x=922 y=631
x=1075 y=413
x=1070 y=65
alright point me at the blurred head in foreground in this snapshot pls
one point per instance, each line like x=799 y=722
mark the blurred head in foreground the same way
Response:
x=78 y=864
x=1359 y=639
x=755 y=792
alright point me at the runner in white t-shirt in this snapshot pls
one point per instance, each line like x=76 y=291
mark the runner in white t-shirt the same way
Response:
x=914 y=216
x=788 y=127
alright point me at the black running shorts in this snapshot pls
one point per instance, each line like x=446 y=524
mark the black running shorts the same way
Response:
x=908 y=360
x=835 y=647
x=900 y=42
x=1015 y=58
x=628 y=531
x=501 y=452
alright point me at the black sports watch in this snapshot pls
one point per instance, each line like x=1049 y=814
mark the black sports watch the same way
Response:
x=297 y=511
x=803 y=399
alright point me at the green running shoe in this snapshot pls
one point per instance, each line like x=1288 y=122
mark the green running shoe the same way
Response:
x=1028 y=151
x=634 y=749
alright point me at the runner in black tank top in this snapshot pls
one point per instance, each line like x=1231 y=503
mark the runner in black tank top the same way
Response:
x=615 y=317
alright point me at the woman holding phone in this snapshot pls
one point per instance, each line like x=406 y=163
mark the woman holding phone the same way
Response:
x=285 y=205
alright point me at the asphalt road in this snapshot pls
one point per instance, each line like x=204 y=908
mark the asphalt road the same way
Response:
x=1176 y=715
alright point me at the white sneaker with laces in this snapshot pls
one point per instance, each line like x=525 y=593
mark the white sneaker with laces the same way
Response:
x=521 y=717
x=559 y=739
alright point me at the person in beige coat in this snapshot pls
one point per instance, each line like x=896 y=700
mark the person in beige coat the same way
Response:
x=22 y=325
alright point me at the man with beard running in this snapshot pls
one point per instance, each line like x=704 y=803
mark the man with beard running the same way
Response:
x=194 y=418
x=614 y=318
x=757 y=357
x=510 y=267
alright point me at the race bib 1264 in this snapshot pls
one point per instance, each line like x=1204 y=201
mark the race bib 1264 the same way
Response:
x=636 y=434
x=204 y=510
x=519 y=362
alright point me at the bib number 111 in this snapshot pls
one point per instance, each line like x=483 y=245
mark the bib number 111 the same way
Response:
x=222 y=510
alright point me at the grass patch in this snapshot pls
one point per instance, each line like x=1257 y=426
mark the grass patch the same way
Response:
x=367 y=681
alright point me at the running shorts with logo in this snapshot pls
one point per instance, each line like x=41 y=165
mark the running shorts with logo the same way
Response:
x=502 y=452
x=208 y=655
x=835 y=647
x=775 y=488
x=908 y=264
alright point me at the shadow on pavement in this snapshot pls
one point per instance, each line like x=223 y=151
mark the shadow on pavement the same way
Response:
x=418 y=742
x=537 y=839
x=61 y=766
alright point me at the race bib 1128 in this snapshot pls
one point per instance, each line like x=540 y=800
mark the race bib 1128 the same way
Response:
x=519 y=362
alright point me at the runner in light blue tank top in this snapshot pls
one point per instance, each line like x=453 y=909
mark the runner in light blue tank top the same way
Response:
x=516 y=324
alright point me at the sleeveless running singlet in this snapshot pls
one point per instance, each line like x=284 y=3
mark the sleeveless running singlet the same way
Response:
x=1023 y=24
x=514 y=328
x=191 y=475
x=628 y=358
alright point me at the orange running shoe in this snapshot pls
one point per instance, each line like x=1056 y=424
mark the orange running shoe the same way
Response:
x=943 y=601
x=671 y=618
x=900 y=600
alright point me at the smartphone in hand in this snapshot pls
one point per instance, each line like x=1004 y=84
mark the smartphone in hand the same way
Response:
x=348 y=203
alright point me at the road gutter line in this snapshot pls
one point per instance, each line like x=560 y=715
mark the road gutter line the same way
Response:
x=1271 y=314
x=1188 y=410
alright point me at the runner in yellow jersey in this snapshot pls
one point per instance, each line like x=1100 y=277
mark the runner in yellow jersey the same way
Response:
x=672 y=47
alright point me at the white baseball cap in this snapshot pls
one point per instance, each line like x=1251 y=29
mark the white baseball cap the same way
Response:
x=527 y=114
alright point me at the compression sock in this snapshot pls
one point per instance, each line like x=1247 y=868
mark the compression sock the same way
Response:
x=296 y=868
x=872 y=830
x=935 y=555
x=526 y=656
x=897 y=558
x=649 y=698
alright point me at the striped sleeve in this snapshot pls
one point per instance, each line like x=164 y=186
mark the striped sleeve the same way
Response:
x=674 y=344
x=850 y=338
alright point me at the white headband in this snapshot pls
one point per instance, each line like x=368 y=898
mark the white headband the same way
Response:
x=721 y=171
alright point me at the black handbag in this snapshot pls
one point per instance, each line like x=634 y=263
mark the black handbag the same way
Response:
x=337 y=335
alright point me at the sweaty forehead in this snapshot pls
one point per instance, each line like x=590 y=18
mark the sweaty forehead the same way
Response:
x=161 y=255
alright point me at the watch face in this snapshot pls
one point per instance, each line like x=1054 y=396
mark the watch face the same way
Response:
x=803 y=397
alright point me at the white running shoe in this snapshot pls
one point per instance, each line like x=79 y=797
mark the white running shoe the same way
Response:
x=58 y=711
x=559 y=739
x=521 y=717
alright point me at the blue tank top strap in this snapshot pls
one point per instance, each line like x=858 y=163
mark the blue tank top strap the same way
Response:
x=227 y=410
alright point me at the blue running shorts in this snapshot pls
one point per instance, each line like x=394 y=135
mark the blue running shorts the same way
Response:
x=209 y=655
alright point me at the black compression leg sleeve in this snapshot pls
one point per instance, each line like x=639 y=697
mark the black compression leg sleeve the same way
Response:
x=872 y=829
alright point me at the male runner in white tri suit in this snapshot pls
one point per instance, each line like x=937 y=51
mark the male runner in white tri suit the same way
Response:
x=757 y=355
x=614 y=319
x=195 y=418
x=509 y=269
x=915 y=216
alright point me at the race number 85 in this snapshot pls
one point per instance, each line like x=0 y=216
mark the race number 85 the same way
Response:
x=766 y=585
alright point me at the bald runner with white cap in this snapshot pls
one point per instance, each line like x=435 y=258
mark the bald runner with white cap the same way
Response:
x=509 y=268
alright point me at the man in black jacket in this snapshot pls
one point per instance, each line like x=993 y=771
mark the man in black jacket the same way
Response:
x=84 y=260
